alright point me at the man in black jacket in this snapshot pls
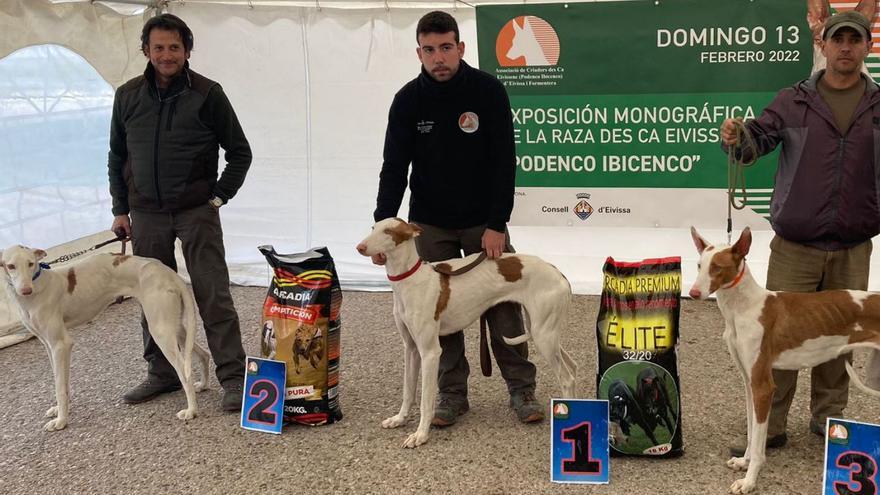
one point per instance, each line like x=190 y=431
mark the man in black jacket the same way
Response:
x=453 y=123
x=165 y=134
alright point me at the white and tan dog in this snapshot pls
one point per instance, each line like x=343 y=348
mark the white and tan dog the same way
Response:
x=428 y=304
x=766 y=330
x=53 y=301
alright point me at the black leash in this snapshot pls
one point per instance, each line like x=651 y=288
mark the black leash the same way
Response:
x=120 y=237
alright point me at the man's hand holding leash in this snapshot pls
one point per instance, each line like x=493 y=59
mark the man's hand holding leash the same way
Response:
x=121 y=226
x=493 y=243
x=728 y=132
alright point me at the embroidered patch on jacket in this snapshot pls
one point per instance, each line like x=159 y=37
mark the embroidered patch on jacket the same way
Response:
x=469 y=122
x=425 y=126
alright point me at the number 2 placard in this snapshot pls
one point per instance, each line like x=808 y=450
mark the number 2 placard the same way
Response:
x=579 y=446
x=852 y=451
x=263 y=402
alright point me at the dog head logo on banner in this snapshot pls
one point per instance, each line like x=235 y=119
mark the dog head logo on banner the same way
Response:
x=527 y=41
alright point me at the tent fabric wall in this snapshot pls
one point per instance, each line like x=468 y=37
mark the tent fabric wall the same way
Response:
x=312 y=87
x=108 y=40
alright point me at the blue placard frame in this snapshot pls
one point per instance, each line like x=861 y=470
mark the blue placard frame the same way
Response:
x=852 y=456
x=575 y=424
x=264 y=380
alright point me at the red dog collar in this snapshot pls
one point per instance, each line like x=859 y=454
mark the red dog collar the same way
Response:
x=738 y=278
x=398 y=278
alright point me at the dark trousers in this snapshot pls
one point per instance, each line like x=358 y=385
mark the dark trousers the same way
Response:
x=798 y=268
x=201 y=236
x=437 y=244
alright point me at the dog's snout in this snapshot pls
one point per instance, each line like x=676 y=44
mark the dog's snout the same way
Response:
x=695 y=293
x=362 y=248
x=27 y=291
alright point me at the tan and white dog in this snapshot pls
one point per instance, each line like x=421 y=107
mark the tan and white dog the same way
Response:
x=766 y=330
x=53 y=301
x=428 y=304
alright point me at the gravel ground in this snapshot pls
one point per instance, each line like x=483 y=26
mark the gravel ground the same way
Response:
x=111 y=447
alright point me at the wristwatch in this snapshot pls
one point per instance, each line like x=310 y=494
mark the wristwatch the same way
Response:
x=216 y=202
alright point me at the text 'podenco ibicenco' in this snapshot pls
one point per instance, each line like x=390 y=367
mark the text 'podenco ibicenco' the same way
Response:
x=53 y=301
x=766 y=330
x=428 y=304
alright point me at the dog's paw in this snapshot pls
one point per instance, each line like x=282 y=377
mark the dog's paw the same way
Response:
x=742 y=486
x=186 y=414
x=738 y=463
x=415 y=440
x=55 y=425
x=51 y=412
x=394 y=421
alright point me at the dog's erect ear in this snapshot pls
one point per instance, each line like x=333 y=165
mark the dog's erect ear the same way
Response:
x=817 y=12
x=40 y=254
x=867 y=8
x=699 y=241
x=744 y=243
x=415 y=229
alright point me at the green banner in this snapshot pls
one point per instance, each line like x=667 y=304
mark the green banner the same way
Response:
x=631 y=94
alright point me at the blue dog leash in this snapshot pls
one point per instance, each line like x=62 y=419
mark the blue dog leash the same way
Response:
x=42 y=266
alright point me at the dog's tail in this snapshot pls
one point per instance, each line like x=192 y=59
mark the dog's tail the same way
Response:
x=854 y=376
x=189 y=326
x=527 y=326
x=518 y=340
x=858 y=381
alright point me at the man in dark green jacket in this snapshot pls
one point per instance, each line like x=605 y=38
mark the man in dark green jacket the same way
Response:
x=165 y=134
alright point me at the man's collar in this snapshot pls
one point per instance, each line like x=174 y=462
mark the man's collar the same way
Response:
x=180 y=81
x=440 y=87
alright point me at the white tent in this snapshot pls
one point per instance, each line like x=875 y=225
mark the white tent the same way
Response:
x=311 y=82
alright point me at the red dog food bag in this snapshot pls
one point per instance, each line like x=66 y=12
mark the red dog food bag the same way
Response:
x=301 y=326
x=637 y=333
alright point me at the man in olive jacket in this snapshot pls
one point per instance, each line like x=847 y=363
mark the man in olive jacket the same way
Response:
x=165 y=134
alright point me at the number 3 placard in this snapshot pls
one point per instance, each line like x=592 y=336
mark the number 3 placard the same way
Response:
x=579 y=446
x=263 y=402
x=852 y=451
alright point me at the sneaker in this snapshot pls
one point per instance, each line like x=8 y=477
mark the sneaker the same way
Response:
x=738 y=449
x=448 y=410
x=149 y=389
x=528 y=410
x=231 y=401
x=817 y=427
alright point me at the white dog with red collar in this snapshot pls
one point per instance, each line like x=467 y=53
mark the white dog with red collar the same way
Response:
x=766 y=330
x=428 y=304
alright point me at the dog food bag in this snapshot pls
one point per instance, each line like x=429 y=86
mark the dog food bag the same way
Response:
x=301 y=326
x=637 y=333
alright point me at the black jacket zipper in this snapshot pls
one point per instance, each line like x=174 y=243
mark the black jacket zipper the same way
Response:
x=156 y=153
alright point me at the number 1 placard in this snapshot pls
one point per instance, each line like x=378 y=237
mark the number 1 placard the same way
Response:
x=262 y=406
x=852 y=451
x=579 y=445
